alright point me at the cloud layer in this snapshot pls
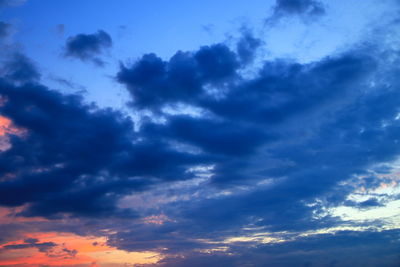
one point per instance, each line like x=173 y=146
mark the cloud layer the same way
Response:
x=88 y=47
x=226 y=159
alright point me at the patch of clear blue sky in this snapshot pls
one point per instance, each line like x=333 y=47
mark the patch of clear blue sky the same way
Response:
x=163 y=27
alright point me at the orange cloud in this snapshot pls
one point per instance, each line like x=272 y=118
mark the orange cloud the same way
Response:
x=5 y=124
x=71 y=250
x=7 y=127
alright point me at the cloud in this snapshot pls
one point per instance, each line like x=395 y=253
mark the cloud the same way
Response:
x=186 y=129
x=366 y=204
x=33 y=243
x=153 y=82
x=306 y=9
x=19 y=68
x=283 y=89
x=87 y=47
x=247 y=46
x=268 y=139
x=62 y=174
x=268 y=154
x=342 y=249
x=299 y=6
x=282 y=142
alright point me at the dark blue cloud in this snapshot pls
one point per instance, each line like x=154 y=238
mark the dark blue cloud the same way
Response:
x=33 y=243
x=366 y=204
x=154 y=83
x=247 y=47
x=76 y=158
x=216 y=63
x=211 y=135
x=309 y=7
x=305 y=9
x=298 y=7
x=285 y=89
x=54 y=124
x=88 y=46
x=19 y=68
x=50 y=249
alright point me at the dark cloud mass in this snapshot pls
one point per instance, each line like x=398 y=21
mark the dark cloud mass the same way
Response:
x=88 y=47
x=305 y=128
x=247 y=47
x=299 y=6
x=306 y=9
x=76 y=158
x=153 y=82
x=20 y=68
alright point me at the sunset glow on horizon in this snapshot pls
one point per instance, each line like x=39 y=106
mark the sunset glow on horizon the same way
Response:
x=66 y=249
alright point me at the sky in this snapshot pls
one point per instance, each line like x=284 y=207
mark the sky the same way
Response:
x=199 y=133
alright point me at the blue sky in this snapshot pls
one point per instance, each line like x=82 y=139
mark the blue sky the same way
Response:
x=176 y=133
x=142 y=27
